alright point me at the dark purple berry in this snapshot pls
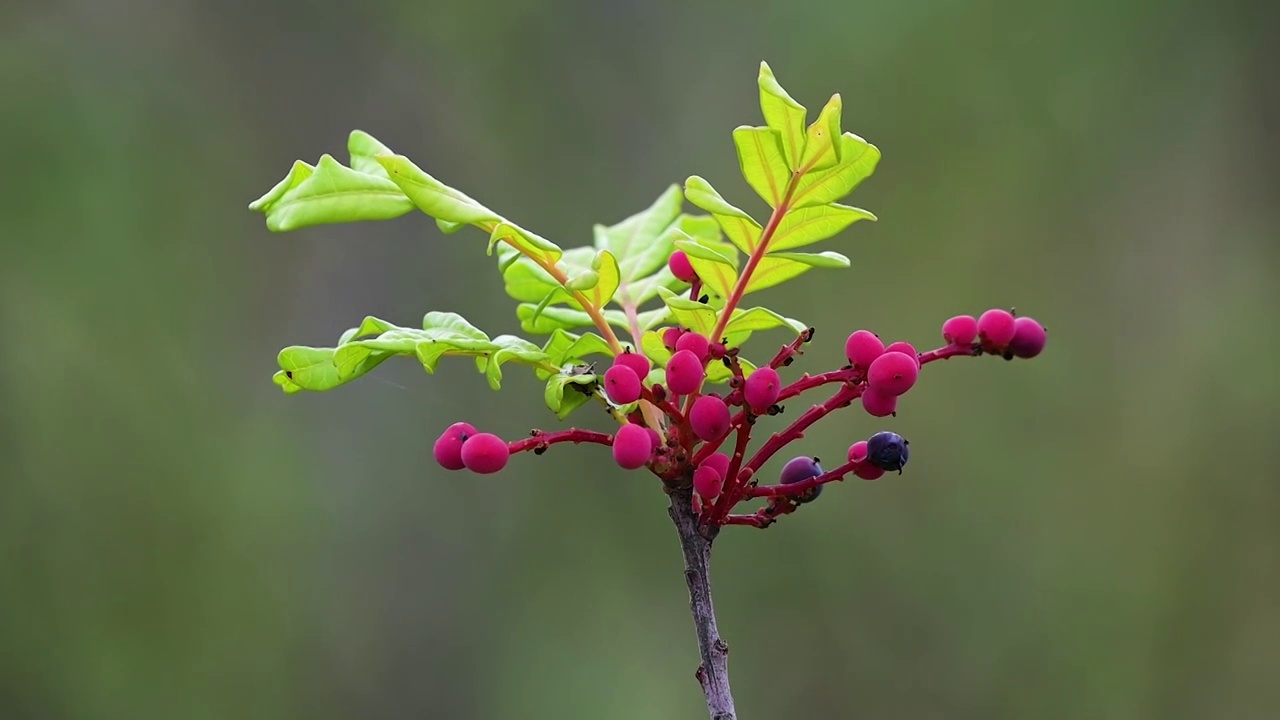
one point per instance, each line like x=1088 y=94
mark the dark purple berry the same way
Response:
x=709 y=418
x=761 y=389
x=960 y=330
x=887 y=451
x=996 y=328
x=448 y=447
x=1029 y=338
x=893 y=373
x=684 y=372
x=485 y=453
x=632 y=446
x=621 y=384
x=680 y=267
x=800 y=469
x=862 y=348
x=695 y=343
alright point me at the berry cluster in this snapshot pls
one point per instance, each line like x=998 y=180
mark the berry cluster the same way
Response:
x=678 y=431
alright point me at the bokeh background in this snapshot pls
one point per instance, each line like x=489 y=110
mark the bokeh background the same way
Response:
x=1095 y=534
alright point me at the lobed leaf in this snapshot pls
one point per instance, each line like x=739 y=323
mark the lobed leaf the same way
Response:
x=761 y=160
x=783 y=115
x=813 y=224
x=858 y=160
x=329 y=193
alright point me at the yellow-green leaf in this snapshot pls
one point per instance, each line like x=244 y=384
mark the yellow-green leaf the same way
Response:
x=783 y=115
x=858 y=160
x=776 y=268
x=813 y=224
x=330 y=193
x=822 y=147
x=741 y=229
x=715 y=270
x=761 y=160
x=527 y=243
x=434 y=197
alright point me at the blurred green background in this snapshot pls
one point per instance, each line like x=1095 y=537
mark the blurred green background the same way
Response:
x=1094 y=534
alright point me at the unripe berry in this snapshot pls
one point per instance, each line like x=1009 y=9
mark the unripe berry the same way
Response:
x=798 y=470
x=867 y=471
x=632 y=446
x=858 y=451
x=960 y=330
x=1029 y=338
x=878 y=405
x=862 y=348
x=638 y=363
x=485 y=453
x=680 y=267
x=761 y=388
x=887 y=451
x=996 y=328
x=695 y=343
x=709 y=418
x=448 y=447
x=670 y=337
x=719 y=461
x=893 y=373
x=621 y=384
x=905 y=348
x=684 y=372
x=707 y=481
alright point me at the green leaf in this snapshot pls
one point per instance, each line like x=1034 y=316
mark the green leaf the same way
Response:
x=783 y=115
x=308 y=368
x=365 y=149
x=330 y=193
x=759 y=318
x=690 y=313
x=609 y=278
x=654 y=349
x=510 y=349
x=636 y=241
x=563 y=318
x=717 y=272
x=444 y=325
x=646 y=289
x=776 y=268
x=858 y=160
x=449 y=228
x=567 y=391
x=587 y=344
x=718 y=374
x=699 y=227
x=813 y=224
x=434 y=197
x=652 y=318
x=586 y=280
x=741 y=229
x=763 y=165
x=369 y=326
x=822 y=149
x=527 y=243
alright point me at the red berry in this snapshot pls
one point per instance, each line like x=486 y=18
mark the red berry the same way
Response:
x=684 y=372
x=1029 y=338
x=878 y=405
x=621 y=384
x=670 y=337
x=485 y=453
x=858 y=451
x=960 y=330
x=695 y=343
x=632 y=446
x=448 y=447
x=893 y=373
x=709 y=418
x=905 y=348
x=719 y=461
x=862 y=348
x=680 y=267
x=867 y=471
x=707 y=481
x=996 y=328
x=761 y=388
x=638 y=363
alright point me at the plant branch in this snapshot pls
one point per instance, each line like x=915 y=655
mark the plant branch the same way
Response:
x=539 y=441
x=713 y=673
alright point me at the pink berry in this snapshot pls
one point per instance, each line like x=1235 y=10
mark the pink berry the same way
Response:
x=695 y=343
x=761 y=388
x=719 y=461
x=632 y=446
x=709 y=418
x=654 y=438
x=867 y=471
x=996 y=328
x=707 y=481
x=1029 y=338
x=671 y=336
x=878 y=405
x=681 y=268
x=621 y=384
x=960 y=330
x=893 y=373
x=862 y=348
x=448 y=447
x=638 y=363
x=858 y=451
x=905 y=348
x=485 y=453
x=684 y=372
x=717 y=350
